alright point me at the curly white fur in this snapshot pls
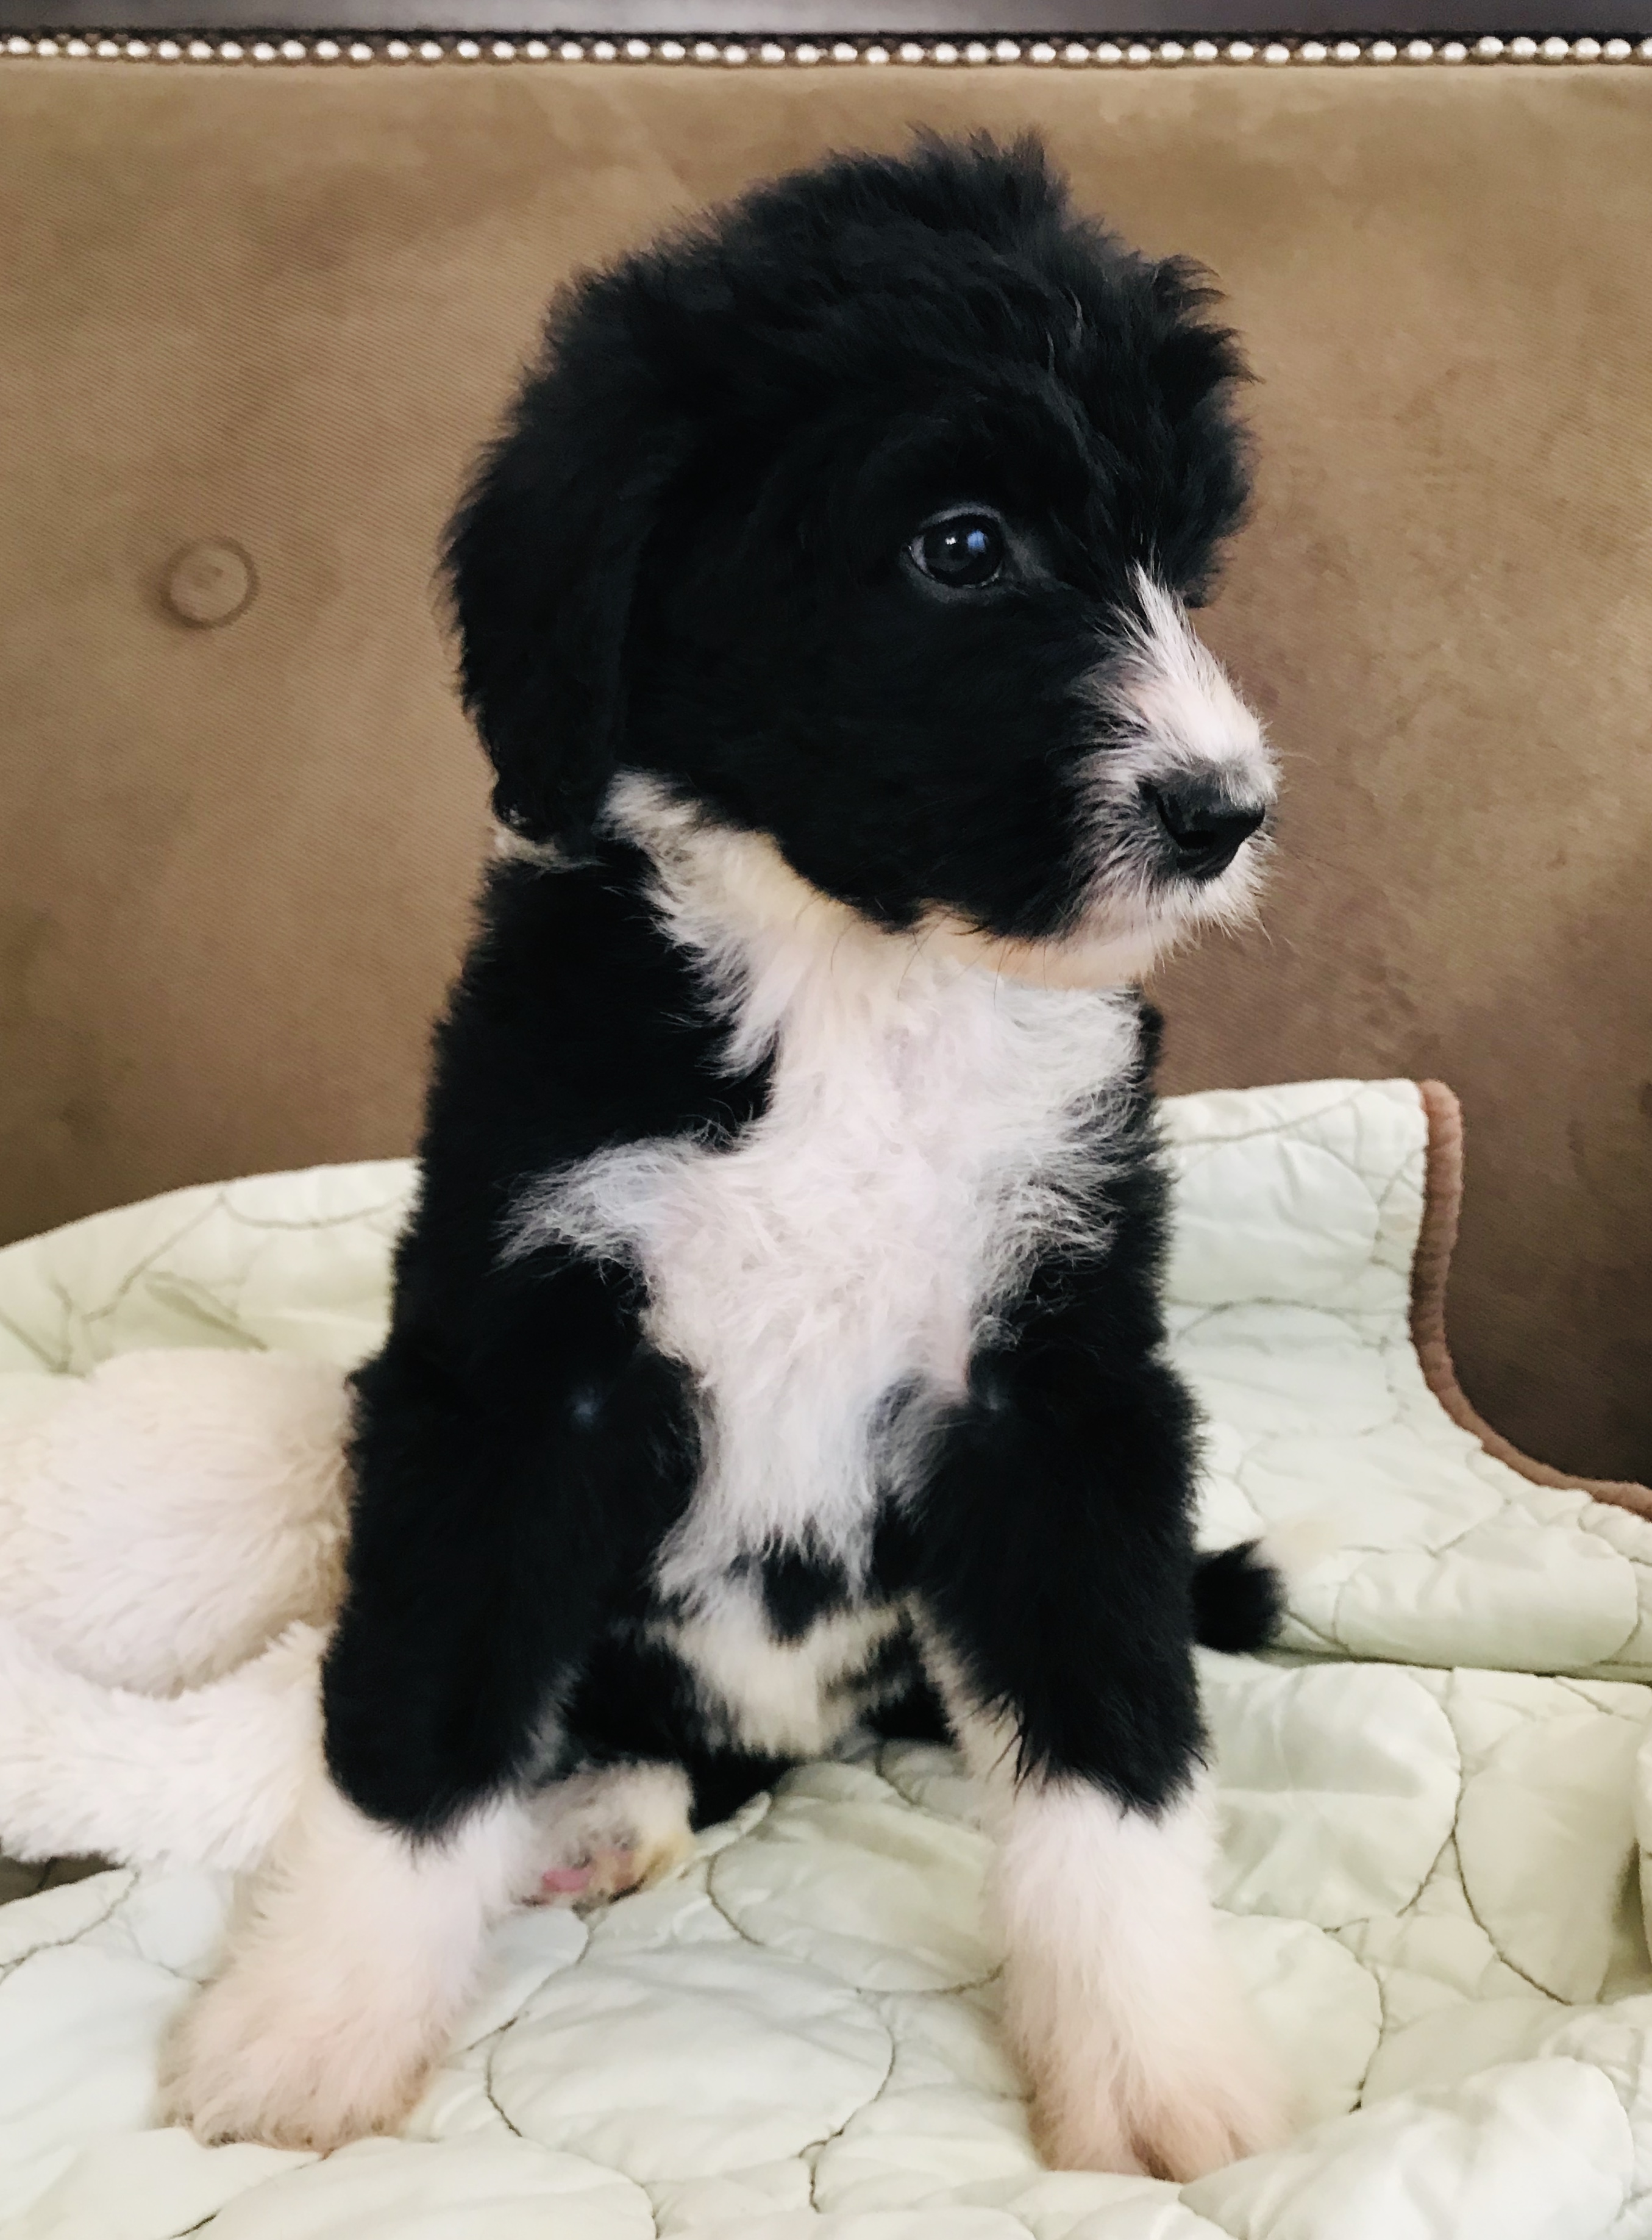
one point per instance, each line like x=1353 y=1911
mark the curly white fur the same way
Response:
x=164 y=1520
x=170 y=1545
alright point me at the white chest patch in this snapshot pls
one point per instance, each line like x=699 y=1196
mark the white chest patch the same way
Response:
x=928 y=1126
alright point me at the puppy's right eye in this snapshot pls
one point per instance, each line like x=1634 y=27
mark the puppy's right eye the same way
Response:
x=963 y=550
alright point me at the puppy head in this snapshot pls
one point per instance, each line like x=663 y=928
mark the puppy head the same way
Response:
x=867 y=517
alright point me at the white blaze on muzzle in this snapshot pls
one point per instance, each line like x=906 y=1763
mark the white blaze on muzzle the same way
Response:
x=1178 y=716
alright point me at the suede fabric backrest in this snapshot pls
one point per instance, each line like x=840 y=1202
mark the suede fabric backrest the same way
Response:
x=284 y=307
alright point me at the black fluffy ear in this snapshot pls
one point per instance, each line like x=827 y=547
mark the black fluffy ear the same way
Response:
x=542 y=560
x=1195 y=354
x=1204 y=485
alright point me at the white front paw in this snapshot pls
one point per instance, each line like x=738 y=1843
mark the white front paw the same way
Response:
x=356 y=1949
x=1118 y=1997
x=1180 y=2125
x=287 y=2066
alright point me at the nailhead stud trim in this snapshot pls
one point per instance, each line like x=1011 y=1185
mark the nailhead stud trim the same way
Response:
x=808 y=53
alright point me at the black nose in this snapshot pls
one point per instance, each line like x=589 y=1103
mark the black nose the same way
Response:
x=1205 y=829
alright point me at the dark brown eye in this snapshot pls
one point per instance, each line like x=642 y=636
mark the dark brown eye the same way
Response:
x=962 y=551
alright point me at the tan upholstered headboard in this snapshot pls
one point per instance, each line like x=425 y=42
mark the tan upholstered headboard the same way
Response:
x=281 y=307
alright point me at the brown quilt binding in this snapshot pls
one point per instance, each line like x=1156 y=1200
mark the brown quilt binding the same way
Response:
x=1441 y=1206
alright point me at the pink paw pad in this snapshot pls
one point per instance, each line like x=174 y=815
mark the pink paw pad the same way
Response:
x=561 y=1881
x=605 y=1874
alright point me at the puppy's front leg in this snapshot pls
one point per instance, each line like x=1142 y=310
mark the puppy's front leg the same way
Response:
x=496 y=1499
x=1058 y=1626
x=1118 y=2000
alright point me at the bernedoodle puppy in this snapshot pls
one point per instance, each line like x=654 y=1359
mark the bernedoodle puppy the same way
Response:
x=776 y=1346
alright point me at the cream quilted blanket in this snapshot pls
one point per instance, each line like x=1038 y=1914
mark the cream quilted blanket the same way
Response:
x=1431 y=1869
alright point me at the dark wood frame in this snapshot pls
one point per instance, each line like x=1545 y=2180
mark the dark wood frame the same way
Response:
x=802 y=19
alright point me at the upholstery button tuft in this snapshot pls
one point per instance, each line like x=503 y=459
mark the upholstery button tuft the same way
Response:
x=210 y=582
